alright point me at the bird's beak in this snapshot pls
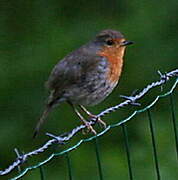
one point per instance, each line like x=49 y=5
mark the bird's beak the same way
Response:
x=125 y=43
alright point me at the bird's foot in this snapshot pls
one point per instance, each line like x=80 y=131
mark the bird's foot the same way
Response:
x=91 y=117
x=98 y=120
x=89 y=127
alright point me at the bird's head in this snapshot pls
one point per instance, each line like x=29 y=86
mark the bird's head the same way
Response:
x=112 y=43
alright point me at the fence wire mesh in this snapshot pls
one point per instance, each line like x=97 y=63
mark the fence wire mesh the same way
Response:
x=62 y=139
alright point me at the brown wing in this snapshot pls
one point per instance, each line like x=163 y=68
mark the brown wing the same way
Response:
x=70 y=69
x=67 y=71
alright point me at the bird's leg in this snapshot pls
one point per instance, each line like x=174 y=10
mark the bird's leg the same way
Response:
x=89 y=127
x=98 y=119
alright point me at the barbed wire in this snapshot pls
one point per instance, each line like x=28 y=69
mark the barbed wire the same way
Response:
x=129 y=100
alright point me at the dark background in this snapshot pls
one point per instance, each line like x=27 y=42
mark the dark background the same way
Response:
x=36 y=34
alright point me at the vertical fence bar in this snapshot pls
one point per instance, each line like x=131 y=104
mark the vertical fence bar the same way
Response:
x=42 y=176
x=174 y=123
x=98 y=159
x=154 y=145
x=126 y=142
x=69 y=166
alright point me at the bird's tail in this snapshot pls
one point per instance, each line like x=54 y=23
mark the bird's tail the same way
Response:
x=48 y=108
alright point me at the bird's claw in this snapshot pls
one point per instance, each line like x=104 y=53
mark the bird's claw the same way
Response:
x=89 y=128
x=98 y=120
x=102 y=123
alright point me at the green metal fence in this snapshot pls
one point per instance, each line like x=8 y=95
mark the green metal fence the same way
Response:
x=131 y=100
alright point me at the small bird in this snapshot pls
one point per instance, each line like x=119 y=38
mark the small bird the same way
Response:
x=86 y=76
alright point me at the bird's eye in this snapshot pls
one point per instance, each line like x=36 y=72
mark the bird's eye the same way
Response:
x=109 y=42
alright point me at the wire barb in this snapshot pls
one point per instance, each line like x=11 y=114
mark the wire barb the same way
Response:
x=163 y=77
x=131 y=99
x=57 y=138
x=18 y=156
x=67 y=136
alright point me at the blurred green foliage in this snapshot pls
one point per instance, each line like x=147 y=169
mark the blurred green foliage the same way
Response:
x=36 y=34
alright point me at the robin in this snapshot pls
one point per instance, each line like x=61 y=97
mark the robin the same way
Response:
x=86 y=76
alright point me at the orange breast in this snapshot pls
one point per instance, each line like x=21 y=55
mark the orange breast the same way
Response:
x=115 y=58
